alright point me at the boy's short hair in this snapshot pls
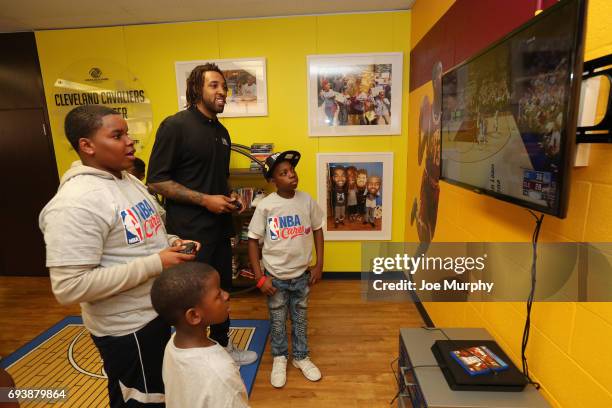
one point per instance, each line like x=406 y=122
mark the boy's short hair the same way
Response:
x=83 y=121
x=179 y=288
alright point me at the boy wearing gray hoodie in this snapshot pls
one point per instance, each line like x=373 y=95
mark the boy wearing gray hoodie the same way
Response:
x=106 y=242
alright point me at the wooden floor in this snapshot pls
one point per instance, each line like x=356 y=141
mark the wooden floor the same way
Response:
x=352 y=341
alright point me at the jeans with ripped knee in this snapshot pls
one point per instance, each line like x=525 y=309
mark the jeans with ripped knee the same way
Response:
x=291 y=295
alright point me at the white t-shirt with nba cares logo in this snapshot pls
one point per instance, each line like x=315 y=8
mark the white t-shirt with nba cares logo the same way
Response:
x=286 y=226
x=103 y=236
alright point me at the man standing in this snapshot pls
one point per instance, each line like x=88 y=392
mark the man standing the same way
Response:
x=189 y=166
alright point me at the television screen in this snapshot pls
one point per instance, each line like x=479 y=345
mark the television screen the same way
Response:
x=509 y=113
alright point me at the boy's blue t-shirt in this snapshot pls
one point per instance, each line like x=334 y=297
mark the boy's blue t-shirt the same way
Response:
x=286 y=226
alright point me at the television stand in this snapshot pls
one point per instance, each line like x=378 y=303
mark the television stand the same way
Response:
x=427 y=387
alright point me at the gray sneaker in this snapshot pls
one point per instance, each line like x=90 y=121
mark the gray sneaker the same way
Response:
x=241 y=357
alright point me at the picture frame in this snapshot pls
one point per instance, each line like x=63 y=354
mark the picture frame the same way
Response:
x=246 y=81
x=355 y=222
x=355 y=94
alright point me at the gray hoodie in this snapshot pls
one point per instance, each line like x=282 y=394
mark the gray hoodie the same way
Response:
x=103 y=237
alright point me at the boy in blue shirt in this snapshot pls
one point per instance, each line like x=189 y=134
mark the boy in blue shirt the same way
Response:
x=287 y=221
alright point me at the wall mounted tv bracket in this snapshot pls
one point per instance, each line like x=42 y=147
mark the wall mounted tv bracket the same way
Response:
x=599 y=132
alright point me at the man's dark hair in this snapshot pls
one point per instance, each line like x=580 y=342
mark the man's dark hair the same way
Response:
x=179 y=288
x=83 y=121
x=195 y=82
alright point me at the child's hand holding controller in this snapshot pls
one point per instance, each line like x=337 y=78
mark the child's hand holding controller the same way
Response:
x=180 y=251
x=190 y=248
x=173 y=256
x=187 y=246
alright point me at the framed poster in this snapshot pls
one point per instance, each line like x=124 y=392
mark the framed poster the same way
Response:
x=355 y=94
x=355 y=191
x=247 y=93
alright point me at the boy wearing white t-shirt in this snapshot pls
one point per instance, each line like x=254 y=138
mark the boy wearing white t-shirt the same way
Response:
x=197 y=371
x=287 y=221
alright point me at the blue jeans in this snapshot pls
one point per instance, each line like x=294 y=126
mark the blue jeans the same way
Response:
x=290 y=294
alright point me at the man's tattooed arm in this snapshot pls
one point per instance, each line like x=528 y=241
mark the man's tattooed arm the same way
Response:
x=178 y=192
x=172 y=190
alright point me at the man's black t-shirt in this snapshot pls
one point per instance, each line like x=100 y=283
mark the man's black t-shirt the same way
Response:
x=194 y=151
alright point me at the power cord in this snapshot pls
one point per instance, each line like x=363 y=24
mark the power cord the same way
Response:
x=423 y=365
x=525 y=340
x=437 y=329
x=243 y=291
x=397 y=380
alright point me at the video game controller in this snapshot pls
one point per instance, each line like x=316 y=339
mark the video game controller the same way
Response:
x=190 y=248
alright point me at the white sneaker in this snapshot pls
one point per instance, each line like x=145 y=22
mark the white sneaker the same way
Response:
x=241 y=357
x=278 y=378
x=309 y=370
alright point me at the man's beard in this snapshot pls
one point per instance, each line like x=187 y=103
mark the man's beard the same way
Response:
x=212 y=106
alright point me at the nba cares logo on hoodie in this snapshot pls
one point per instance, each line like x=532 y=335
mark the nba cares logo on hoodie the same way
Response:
x=133 y=230
x=140 y=222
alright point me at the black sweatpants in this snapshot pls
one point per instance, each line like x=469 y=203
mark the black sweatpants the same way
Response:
x=219 y=256
x=133 y=364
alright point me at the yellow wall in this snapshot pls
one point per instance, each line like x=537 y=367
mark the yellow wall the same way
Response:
x=568 y=349
x=149 y=53
x=429 y=12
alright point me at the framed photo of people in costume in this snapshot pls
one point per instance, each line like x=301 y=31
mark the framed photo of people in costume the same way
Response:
x=355 y=190
x=246 y=85
x=355 y=94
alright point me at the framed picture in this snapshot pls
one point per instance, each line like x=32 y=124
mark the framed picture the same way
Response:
x=355 y=190
x=355 y=94
x=247 y=94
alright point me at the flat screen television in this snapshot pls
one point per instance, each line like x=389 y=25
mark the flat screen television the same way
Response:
x=509 y=113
